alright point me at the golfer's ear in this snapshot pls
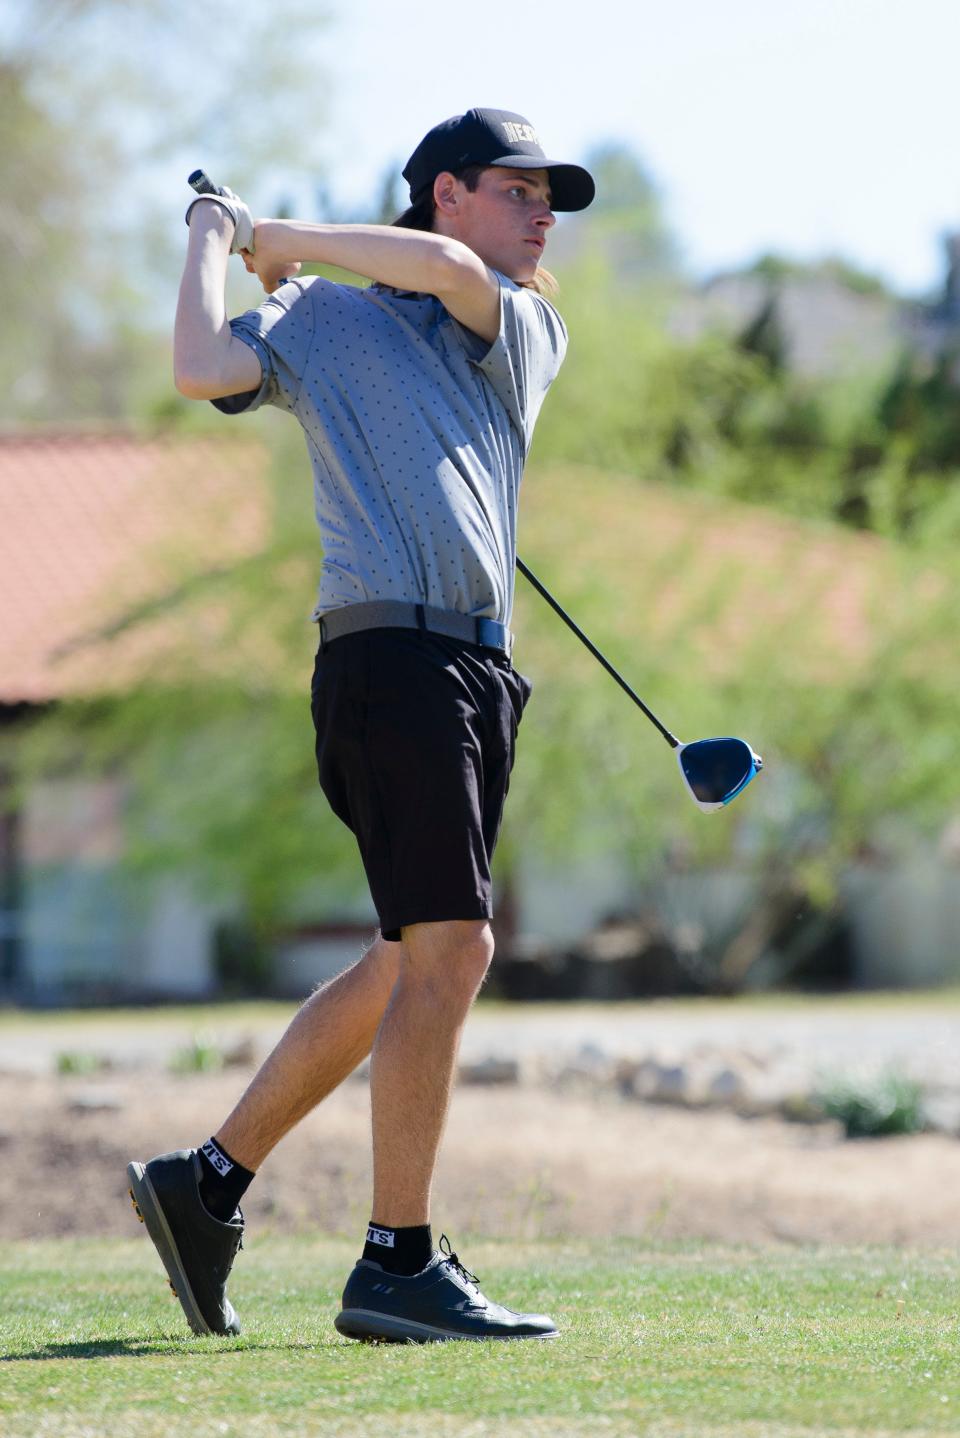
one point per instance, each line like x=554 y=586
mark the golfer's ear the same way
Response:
x=445 y=195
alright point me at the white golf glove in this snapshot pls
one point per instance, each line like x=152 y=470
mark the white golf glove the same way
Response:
x=238 y=212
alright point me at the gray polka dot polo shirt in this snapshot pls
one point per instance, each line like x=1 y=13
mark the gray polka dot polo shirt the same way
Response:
x=417 y=432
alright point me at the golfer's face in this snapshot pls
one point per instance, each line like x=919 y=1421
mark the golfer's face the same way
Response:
x=506 y=219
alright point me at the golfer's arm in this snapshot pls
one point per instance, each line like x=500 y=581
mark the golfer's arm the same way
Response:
x=405 y=259
x=208 y=361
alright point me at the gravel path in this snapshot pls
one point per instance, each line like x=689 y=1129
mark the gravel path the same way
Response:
x=920 y=1036
x=544 y=1156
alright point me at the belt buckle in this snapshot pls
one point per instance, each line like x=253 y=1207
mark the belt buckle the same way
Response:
x=494 y=635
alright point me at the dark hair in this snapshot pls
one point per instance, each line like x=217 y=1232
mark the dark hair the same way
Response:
x=421 y=215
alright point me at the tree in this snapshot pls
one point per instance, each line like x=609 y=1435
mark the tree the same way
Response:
x=624 y=229
x=764 y=336
x=101 y=103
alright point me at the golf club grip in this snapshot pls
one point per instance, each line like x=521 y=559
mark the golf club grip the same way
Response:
x=544 y=593
x=200 y=181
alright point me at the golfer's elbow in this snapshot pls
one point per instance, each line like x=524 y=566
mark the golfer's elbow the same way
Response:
x=191 y=386
x=196 y=380
x=201 y=357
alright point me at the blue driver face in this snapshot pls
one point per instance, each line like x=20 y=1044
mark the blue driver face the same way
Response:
x=717 y=769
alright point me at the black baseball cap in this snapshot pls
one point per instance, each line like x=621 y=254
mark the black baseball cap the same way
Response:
x=493 y=137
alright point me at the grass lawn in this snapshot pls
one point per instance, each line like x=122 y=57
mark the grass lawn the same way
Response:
x=666 y=1342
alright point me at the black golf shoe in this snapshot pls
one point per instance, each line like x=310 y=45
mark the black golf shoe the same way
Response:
x=442 y=1301
x=197 y=1250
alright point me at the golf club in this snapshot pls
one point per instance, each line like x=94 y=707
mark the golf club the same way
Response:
x=714 y=771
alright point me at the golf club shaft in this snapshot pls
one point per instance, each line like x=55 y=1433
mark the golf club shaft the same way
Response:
x=528 y=574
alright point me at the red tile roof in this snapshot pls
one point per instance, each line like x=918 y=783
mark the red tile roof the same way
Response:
x=94 y=526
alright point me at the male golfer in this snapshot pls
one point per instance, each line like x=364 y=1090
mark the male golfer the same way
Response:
x=418 y=397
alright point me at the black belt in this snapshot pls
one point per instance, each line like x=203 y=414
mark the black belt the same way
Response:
x=396 y=614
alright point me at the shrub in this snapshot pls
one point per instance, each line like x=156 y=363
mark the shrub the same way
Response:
x=888 y=1103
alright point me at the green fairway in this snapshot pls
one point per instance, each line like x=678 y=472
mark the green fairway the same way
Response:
x=664 y=1342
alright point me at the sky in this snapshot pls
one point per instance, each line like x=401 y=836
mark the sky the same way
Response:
x=805 y=127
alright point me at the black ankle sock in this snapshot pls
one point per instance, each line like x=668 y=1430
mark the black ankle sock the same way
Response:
x=399 y=1250
x=223 y=1181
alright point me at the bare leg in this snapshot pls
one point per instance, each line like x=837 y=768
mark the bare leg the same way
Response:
x=411 y=1072
x=325 y=1041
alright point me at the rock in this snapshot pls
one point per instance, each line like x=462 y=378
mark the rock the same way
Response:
x=590 y=1068
x=725 y=1086
x=802 y=1108
x=242 y=1054
x=772 y=1092
x=941 y=1111
x=94 y=1101
x=653 y=1081
x=490 y=1070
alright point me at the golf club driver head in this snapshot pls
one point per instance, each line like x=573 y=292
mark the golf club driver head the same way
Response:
x=715 y=771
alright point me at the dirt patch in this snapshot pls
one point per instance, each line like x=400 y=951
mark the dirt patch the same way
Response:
x=518 y=1161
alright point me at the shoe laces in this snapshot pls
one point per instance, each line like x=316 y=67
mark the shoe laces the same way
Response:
x=450 y=1257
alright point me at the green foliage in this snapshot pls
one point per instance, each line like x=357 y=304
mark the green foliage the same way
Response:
x=623 y=184
x=97 y=92
x=889 y=1103
x=777 y=268
x=711 y=415
x=726 y=415
x=919 y=407
x=70 y=1063
x=201 y=1055
x=764 y=337
x=623 y=234
x=47 y=205
x=242 y=962
x=624 y=227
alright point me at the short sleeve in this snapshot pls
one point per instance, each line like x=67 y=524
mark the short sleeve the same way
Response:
x=280 y=333
x=525 y=358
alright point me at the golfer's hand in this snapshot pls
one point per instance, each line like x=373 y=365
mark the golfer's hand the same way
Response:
x=238 y=212
x=270 y=273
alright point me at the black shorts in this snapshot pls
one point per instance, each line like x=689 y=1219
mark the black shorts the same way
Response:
x=415 y=744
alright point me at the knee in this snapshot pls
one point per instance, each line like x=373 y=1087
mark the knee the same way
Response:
x=474 y=957
x=452 y=957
